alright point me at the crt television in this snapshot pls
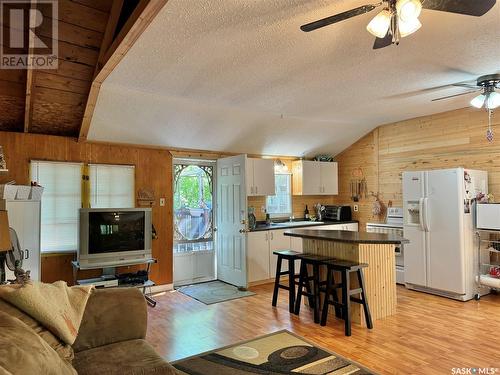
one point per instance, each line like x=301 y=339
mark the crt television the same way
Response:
x=110 y=237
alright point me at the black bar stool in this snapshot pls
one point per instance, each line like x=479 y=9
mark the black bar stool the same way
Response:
x=345 y=268
x=290 y=256
x=304 y=282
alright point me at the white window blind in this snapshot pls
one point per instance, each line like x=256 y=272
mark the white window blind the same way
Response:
x=112 y=186
x=280 y=204
x=61 y=201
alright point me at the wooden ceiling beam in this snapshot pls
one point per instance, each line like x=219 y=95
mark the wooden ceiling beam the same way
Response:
x=28 y=104
x=139 y=20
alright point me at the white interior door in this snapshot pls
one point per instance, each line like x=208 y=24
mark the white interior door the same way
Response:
x=444 y=213
x=231 y=220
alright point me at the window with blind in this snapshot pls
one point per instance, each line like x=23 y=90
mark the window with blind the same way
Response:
x=112 y=186
x=62 y=198
x=280 y=204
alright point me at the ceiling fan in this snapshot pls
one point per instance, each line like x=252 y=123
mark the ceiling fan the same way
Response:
x=489 y=97
x=399 y=18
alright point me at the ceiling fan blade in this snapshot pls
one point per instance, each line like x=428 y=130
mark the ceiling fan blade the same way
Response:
x=466 y=85
x=468 y=7
x=383 y=42
x=337 y=18
x=453 y=96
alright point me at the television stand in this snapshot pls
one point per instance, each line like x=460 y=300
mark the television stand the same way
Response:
x=109 y=272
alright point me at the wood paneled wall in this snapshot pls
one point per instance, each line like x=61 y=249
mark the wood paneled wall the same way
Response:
x=153 y=171
x=445 y=140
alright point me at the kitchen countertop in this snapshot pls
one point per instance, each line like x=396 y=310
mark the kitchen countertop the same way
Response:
x=347 y=236
x=288 y=225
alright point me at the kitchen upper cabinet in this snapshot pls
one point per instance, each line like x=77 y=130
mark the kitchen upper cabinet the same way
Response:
x=260 y=177
x=315 y=178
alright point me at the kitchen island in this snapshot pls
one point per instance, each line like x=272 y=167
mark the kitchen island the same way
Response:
x=375 y=249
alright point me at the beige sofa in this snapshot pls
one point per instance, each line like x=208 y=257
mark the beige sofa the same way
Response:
x=110 y=340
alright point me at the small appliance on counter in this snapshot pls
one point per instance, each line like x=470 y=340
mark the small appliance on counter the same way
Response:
x=337 y=213
x=488 y=216
x=393 y=225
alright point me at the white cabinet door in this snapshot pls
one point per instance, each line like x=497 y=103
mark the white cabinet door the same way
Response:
x=329 y=178
x=278 y=241
x=258 y=256
x=306 y=177
x=24 y=217
x=263 y=176
x=249 y=177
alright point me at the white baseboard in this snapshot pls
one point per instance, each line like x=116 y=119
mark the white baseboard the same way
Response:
x=160 y=288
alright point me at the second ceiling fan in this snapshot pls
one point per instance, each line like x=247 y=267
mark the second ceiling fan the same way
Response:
x=399 y=18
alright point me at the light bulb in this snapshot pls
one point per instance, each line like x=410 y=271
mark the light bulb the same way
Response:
x=478 y=101
x=408 y=9
x=409 y=27
x=493 y=100
x=379 y=25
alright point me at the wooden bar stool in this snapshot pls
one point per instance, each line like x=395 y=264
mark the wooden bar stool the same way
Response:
x=345 y=268
x=290 y=256
x=313 y=294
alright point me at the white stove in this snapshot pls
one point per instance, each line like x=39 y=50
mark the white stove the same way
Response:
x=392 y=225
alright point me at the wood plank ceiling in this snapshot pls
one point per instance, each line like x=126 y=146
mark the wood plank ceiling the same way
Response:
x=54 y=101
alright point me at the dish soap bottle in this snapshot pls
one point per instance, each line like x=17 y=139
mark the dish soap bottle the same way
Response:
x=306 y=213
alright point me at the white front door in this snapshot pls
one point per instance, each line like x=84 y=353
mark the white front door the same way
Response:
x=231 y=220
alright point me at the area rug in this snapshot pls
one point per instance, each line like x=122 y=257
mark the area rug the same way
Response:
x=213 y=292
x=281 y=352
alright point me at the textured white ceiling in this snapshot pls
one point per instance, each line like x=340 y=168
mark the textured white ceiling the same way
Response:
x=239 y=76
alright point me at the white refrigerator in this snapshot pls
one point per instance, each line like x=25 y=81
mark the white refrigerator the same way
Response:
x=438 y=221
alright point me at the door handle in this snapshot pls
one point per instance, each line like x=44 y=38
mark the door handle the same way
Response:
x=244 y=231
x=272 y=236
x=27 y=254
x=426 y=214
x=421 y=213
x=256 y=190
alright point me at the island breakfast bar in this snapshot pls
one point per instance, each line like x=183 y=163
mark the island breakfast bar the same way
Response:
x=375 y=249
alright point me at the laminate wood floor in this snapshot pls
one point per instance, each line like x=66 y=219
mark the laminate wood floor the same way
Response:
x=428 y=334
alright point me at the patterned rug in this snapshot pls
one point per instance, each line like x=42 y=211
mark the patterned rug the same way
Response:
x=278 y=353
x=213 y=292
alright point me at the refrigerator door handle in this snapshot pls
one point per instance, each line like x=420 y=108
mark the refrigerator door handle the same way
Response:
x=426 y=214
x=421 y=213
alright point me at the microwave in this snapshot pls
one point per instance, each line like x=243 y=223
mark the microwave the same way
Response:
x=488 y=216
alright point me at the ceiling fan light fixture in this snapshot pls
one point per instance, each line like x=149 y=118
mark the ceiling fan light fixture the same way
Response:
x=408 y=9
x=379 y=25
x=478 y=101
x=493 y=100
x=409 y=27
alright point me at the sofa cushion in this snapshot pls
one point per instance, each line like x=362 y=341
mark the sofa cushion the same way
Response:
x=65 y=351
x=134 y=357
x=23 y=351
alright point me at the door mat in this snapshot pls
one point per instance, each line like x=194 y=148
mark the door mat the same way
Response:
x=213 y=292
